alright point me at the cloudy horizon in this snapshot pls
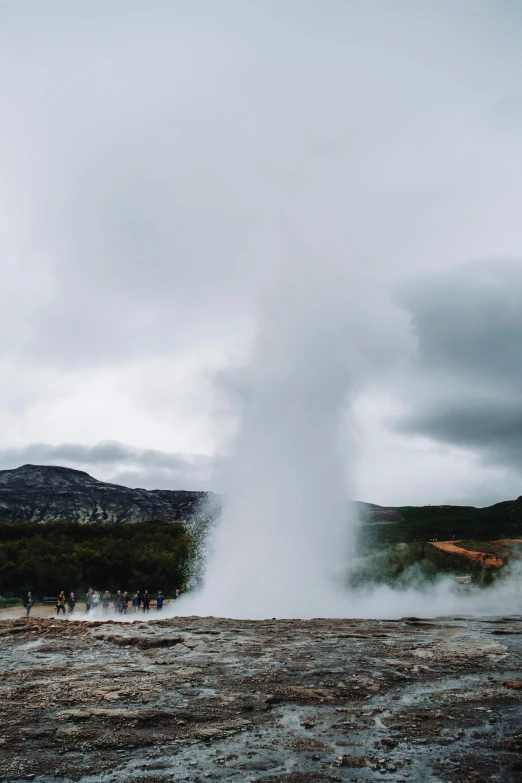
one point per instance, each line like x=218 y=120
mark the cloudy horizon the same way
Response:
x=165 y=165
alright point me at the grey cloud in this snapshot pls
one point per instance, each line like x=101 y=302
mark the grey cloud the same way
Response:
x=149 y=154
x=468 y=322
x=492 y=426
x=467 y=377
x=118 y=462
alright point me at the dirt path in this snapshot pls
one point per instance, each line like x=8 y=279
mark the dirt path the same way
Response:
x=508 y=542
x=479 y=557
x=48 y=611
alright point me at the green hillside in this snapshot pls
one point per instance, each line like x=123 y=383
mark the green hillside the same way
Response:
x=423 y=523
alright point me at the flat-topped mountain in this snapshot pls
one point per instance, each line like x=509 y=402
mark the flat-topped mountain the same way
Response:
x=46 y=493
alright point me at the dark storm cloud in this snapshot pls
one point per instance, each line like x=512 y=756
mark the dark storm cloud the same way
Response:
x=494 y=426
x=148 y=468
x=468 y=361
x=469 y=322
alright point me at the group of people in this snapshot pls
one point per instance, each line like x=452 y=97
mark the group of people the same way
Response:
x=121 y=603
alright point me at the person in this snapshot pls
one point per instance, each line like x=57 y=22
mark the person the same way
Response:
x=140 y=599
x=60 y=604
x=135 y=602
x=118 y=602
x=176 y=594
x=88 y=601
x=159 y=600
x=71 y=603
x=125 y=602
x=146 y=601
x=28 y=603
x=95 y=601
x=106 y=601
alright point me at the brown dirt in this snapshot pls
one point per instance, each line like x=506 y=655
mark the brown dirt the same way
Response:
x=507 y=542
x=451 y=547
x=48 y=611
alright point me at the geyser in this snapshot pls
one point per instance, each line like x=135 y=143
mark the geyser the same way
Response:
x=281 y=546
x=286 y=533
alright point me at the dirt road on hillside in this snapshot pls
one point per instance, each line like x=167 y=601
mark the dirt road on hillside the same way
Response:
x=479 y=557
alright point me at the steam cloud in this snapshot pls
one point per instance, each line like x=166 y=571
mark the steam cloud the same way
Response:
x=285 y=539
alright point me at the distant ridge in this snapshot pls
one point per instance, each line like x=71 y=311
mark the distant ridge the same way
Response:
x=47 y=493
x=50 y=493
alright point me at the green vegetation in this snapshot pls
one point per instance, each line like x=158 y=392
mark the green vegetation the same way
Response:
x=422 y=523
x=407 y=565
x=46 y=558
x=69 y=556
x=7 y=602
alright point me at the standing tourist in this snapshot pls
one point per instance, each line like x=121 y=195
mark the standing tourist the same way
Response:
x=146 y=601
x=60 y=604
x=118 y=602
x=71 y=603
x=125 y=602
x=88 y=601
x=135 y=602
x=139 y=597
x=106 y=601
x=159 y=600
x=95 y=601
x=28 y=603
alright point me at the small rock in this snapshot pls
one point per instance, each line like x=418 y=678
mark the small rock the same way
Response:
x=353 y=761
x=515 y=684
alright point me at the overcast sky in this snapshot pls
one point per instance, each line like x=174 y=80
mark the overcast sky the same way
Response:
x=161 y=161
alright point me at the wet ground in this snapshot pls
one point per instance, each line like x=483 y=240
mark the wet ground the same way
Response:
x=192 y=699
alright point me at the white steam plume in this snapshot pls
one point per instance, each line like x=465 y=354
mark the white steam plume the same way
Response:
x=286 y=535
x=283 y=542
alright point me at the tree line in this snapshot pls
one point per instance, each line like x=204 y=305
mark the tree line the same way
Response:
x=53 y=556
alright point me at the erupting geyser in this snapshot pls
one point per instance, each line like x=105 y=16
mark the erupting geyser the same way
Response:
x=283 y=539
x=283 y=543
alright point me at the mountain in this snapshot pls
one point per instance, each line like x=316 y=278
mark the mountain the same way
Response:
x=45 y=493
x=370 y=514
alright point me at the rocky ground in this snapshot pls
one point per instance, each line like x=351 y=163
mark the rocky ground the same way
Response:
x=195 y=699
